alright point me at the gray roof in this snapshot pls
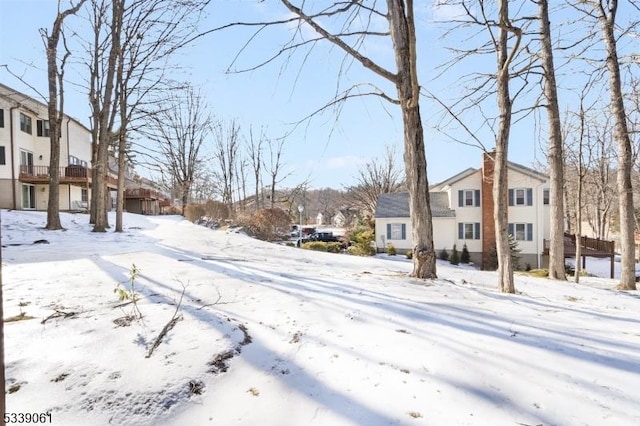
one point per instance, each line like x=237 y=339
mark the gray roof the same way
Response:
x=397 y=205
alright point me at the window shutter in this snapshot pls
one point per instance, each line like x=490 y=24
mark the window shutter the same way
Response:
x=529 y=196
x=511 y=197
x=477 y=197
x=477 y=235
x=39 y=127
x=388 y=231
x=404 y=231
x=1 y=118
x=529 y=231
x=460 y=198
x=510 y=229
x=461 y=231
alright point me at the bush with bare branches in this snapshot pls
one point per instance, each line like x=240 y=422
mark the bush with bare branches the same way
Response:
x=193 y=212
x=268 y=224
x=216 y=210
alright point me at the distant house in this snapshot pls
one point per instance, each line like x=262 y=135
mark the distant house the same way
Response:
x=462 y=208
x=142 y=196
x=345 y=218
x=25 y=154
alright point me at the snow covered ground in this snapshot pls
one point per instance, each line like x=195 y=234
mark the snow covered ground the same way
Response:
x=274 y=335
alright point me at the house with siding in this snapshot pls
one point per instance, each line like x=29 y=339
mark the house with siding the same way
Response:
x=24 y=156
x=462 y=208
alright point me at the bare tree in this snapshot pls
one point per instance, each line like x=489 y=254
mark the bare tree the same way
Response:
x=349 y=36
x=505 y=57
x=102 y=88
x=605 y=12
x=55 y=107
x=152 y=32
x=255 y=148
x=226 y=143
x=378 y=176
x=178 y=130
x=555 y=154
x=274 y=166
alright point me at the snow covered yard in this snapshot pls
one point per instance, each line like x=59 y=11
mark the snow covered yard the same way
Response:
x=274 y=335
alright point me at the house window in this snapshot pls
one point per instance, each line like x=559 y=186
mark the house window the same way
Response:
x=26 y=162
x=469 y=231
x=545 y=197
x=75 y=161
x=84 y=195
x=521 y=197
x=469 y=198
x=396 y=231
x=1 y=117
x=3 y=158
x=25 y=123
x=521 y=231
x=28 y=197
x=42 y=128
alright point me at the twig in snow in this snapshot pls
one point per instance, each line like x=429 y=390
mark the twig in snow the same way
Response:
x=172 y=322
x=58 y=314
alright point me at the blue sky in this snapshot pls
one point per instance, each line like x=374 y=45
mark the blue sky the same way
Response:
x=328 y=150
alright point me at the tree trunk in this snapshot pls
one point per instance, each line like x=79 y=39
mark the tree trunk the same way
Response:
x=55 y=122
x=122 y=167
x=404 y=43
x=500 y=184
x=625 y=162
x=578 y=235
x=104 y=134
x=555 y=156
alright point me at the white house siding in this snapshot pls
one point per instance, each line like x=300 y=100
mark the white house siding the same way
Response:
x=537 y=214
x=75 y=140
x=443 y=232
x=466 y=214
x=401 y=245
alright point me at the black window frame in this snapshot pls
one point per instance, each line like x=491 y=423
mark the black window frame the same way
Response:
x=26 y=123
x=43 y=129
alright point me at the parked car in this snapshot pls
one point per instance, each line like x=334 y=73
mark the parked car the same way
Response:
x=325 y=237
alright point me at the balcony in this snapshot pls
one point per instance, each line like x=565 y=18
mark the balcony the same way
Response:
x=147 y=194
x=69 y=175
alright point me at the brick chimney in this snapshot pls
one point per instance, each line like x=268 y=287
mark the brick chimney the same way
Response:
x=488 y=223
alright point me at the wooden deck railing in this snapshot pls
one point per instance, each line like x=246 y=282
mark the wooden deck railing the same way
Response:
x=593 y=247
x=68 y=175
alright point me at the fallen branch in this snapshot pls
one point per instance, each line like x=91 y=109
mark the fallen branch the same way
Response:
x=123 y=304
x=58 y=314
x=172 y=322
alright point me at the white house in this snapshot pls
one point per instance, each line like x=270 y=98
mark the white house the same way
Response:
x=24 y=156
x=462 y=209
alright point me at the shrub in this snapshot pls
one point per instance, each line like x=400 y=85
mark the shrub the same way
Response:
x=330 y=247
x=193 y=212
x=362 y=242
x=216 y=210
x=409 y=254
x=391 y=249
x=542 y=273
x=465 y=257
x=267 y=224
x=454 y=259
x=334 y=247
x=492 y=262
x=444 y=254
x=315 y=246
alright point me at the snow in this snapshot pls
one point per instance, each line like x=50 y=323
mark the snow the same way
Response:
x=275 y=335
